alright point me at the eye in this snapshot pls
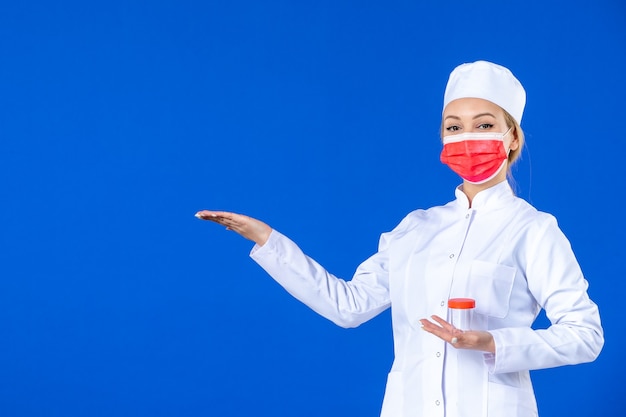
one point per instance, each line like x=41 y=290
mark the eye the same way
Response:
x=453 y=128
x=485 y=126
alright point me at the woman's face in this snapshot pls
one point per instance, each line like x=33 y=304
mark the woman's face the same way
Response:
x=475 y=115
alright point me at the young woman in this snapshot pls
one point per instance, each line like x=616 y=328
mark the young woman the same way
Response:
x=487 y=245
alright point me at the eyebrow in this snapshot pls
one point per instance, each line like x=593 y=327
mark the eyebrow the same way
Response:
x=475 y=117
x=484 y=114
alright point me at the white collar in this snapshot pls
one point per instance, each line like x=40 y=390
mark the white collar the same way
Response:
x=490 y=197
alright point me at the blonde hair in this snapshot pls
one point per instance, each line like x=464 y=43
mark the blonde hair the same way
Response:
x=517 y=132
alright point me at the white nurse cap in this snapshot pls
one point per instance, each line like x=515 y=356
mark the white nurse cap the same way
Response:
x=482 y=79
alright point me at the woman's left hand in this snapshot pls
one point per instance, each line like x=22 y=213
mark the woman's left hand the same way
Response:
x=468 y=339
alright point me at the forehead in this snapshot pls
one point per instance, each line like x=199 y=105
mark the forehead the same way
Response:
x=469 y=107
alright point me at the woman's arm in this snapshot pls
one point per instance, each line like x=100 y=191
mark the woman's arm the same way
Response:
x=346 y=303
x=557 y=284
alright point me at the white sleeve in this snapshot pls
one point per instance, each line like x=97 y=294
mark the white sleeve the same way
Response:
x=346 y=303
x=558 y=285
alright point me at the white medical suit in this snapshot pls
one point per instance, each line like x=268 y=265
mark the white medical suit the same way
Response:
x=512 y=259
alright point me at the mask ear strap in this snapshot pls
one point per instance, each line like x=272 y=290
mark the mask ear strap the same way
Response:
x=508 y=151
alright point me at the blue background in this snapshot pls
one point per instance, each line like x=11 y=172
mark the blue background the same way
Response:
x=120 y=119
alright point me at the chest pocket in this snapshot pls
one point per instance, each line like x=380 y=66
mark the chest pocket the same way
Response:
x=491 y=285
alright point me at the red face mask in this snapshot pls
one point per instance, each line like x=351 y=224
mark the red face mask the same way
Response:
x=475 y=157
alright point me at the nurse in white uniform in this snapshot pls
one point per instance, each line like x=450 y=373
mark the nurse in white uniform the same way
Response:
x=486 y=244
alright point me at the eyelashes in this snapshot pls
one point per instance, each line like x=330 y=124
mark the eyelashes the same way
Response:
x=482 y=126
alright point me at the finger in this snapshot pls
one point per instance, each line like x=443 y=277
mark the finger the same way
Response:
x=216 y=216
x=233 y=223
x=433 y=328
x=448 y=333
x=443 y=323
x=205 y=214
x=231 y=220
x=428 y=325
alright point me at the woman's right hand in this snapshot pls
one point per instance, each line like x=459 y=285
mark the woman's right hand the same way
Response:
x=250 y=228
